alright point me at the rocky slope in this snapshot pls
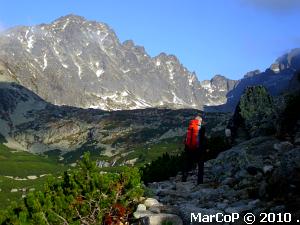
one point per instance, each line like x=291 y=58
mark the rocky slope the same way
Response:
x=259 y=175
x=27 y=122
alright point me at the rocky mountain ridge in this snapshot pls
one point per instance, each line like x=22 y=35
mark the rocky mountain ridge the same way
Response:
x=82 y=63
x=276 y=79
x=76 y=62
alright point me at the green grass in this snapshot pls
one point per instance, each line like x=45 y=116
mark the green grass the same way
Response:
x=22 y=164
x=7 y=184
x=150 y=152
x=73 y=156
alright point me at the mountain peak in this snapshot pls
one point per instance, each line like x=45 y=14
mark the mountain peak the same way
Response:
x=72 y=17
x=218 y=77
x=73 y=53
x=128 y=43
x=165 y=57
x=80 y=21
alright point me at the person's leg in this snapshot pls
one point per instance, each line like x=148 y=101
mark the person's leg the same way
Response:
x=184 y=166
x=200 y=170
x=188 y=164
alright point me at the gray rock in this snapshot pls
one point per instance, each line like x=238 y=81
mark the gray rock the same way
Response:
x=221 y=205
x=174 y=194
x=238 y=209
x=154 y=209
x=258 y=210
x=297 y=139
x=140 y=214
x=278 y=209
x=141 y=207
x=151 y=202
x=206 y=194
x=254 y=203
x=268 y=169
x=228 y=181
x=226 y=201
x=158 y=219
x=263 y=189
x=166 y=199
x=184 y=186
x=283 y=146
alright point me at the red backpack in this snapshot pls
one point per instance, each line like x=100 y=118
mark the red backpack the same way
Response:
x=192 y=135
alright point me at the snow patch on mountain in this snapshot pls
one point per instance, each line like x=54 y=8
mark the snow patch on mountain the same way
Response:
x=45 y=62
x=79 y=69
x=191 y=79
x=99 y=72
x=66 y=24
x=177 y=100
x=207 y=86
x=170 y=69
x=30 y=42
x=125 y=70
x=157 y=62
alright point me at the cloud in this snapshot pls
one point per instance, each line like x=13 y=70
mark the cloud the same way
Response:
x=274 y=5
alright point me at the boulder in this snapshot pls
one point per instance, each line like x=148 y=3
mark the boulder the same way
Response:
x=228 y=181
x=239 y=207
x=297 y=139
x=141 y=207
x=268 y=169
x=161 y=218
x=184 y=186
x=221 y=205
x=254 y=203
x=151 y=202
x=283 y=146
x=263 y=189
x=140 y=214
x=154 y=209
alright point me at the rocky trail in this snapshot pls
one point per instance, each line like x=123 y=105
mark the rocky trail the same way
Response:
x=259 y=175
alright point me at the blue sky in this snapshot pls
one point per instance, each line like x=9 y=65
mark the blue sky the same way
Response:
x=228 y=37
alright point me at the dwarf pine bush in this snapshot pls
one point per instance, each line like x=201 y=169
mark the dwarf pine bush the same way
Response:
x=82 y=196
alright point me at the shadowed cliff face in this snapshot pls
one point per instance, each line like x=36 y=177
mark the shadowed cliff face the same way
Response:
x=30 y=123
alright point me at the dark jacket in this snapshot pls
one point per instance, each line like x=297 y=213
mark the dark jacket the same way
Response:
x=202 y=139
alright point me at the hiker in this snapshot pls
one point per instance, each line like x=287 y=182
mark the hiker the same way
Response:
x=230 y=132
x=228 y=136
x=195 y=147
